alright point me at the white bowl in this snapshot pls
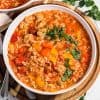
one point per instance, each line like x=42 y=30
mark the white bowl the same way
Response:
x=39 y=8
x=21 y=7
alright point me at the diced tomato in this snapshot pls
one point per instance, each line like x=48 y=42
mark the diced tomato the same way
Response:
x=45 y=52
x=46 y=48
x=14 y=37
x=47 y=44
x=22 y=70
x=19 y=60
x=22 y=50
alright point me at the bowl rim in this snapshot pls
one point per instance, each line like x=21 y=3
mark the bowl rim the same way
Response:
x=39 y=8
x=19 y=7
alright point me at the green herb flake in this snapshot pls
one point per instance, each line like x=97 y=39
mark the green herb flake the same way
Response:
x=67 y=74
x=76 y=54
x=66 y=62
x=70 y=39
x=55 y=32
x=51 y=34
x=58 y=32
x=82 y=97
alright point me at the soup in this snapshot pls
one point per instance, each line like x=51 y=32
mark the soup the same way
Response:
x=7 y=4
x=49 y=51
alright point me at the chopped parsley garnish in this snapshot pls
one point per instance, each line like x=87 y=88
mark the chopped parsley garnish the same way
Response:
x=58 y=32
x=52 y=33
x=70 y=39
x=76 y=54
x=66 y=62
x=55 y=32
x=67 y=74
